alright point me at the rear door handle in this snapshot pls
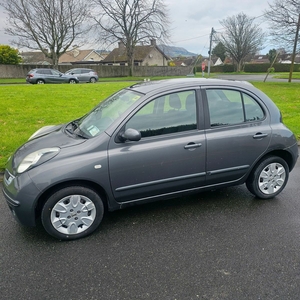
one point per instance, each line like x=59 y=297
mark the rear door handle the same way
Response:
x=260 y=135
x=192 y=146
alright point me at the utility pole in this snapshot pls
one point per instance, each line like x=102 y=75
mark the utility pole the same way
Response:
x=269 y=70
x=209 y=52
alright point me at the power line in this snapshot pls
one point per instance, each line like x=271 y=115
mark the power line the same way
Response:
x=193 y=38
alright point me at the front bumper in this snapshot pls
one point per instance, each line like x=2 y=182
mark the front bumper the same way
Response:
x=21 y=195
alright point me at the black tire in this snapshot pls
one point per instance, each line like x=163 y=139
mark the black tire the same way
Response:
x=72 y=81
x=268 y=178
x=93 y=80
x=40 y=81
x=72 y=213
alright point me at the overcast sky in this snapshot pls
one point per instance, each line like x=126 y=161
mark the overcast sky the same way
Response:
x=192 y=20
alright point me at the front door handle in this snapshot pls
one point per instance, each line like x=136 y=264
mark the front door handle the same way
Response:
x=192 y=146
x=260 y=135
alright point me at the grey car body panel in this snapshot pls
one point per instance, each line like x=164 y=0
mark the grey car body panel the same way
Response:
x=54 y=138
x=49 y=78
x=83 y=74
x=152 y=168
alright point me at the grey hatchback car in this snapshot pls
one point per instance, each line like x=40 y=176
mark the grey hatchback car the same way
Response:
x=150 y=141
x=84 y=75
x=45 y=75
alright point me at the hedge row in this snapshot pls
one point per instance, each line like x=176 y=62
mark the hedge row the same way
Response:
x=251 y=68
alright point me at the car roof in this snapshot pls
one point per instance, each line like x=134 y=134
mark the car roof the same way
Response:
x=42 y=69
x=79 y=69
x=168 y=84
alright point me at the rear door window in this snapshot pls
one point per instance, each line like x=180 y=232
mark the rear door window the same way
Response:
x=229 y=107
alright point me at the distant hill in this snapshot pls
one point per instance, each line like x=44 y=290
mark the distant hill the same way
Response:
x=175 y=51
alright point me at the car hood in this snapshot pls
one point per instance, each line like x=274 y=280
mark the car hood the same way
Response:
x=46 y=137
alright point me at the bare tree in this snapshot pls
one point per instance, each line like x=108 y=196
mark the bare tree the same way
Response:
x=241 y=37
x=284 y=19
x=131 y=22
x=47 y=25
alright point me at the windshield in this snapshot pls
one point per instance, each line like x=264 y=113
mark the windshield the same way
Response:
x=103 y=115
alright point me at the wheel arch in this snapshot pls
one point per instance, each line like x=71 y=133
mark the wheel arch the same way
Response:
x=84 y=183
x=285 y=155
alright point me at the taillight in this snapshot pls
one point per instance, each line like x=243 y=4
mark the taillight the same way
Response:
x=30 y=75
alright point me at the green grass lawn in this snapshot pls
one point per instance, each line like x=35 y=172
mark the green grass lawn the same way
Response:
x=287 y=98
x=26 y=108
x=101 y=80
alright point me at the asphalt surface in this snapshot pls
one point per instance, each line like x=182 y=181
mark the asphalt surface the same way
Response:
x=255 y=77
x=223 y=244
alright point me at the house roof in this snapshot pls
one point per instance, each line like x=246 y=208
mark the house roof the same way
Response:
x=35 y=57
x=119 y=55
x=287 y=58
x=76 y=55
x=184 y=62
x=260 y=59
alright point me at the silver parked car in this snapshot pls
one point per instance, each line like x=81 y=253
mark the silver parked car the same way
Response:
x=84 y=75
x=150 y=141
x=45 y=75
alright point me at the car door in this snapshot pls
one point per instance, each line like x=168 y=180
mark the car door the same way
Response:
x=238 y=133
x=170 y=156
x=77 y=73
x=84 y=75
x=56 y=77
x=47 y=75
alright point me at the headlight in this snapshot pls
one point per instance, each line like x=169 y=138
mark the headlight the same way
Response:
x=37 y=157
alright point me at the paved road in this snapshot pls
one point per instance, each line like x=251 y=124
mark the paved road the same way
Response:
x=215 y=245
x=256 y=77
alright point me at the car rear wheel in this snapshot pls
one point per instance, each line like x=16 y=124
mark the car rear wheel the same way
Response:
x=93 y=80
x=40 y=81
x=268 y=178
x=72 y=81
x=72 y=213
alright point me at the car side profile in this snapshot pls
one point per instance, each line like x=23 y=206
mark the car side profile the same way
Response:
x=45 y=75
x=150 y=141
x=84 y=75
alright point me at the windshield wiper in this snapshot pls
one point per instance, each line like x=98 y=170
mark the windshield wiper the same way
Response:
x=81 y=133
x=73 y=129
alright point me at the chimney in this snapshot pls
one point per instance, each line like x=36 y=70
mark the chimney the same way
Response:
x=121 y=45
x=153 y=42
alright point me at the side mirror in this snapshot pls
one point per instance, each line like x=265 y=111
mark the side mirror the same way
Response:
x=131 y=135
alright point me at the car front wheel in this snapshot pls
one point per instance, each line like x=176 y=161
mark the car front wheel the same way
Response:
x=268 y=178
x=72 y=213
